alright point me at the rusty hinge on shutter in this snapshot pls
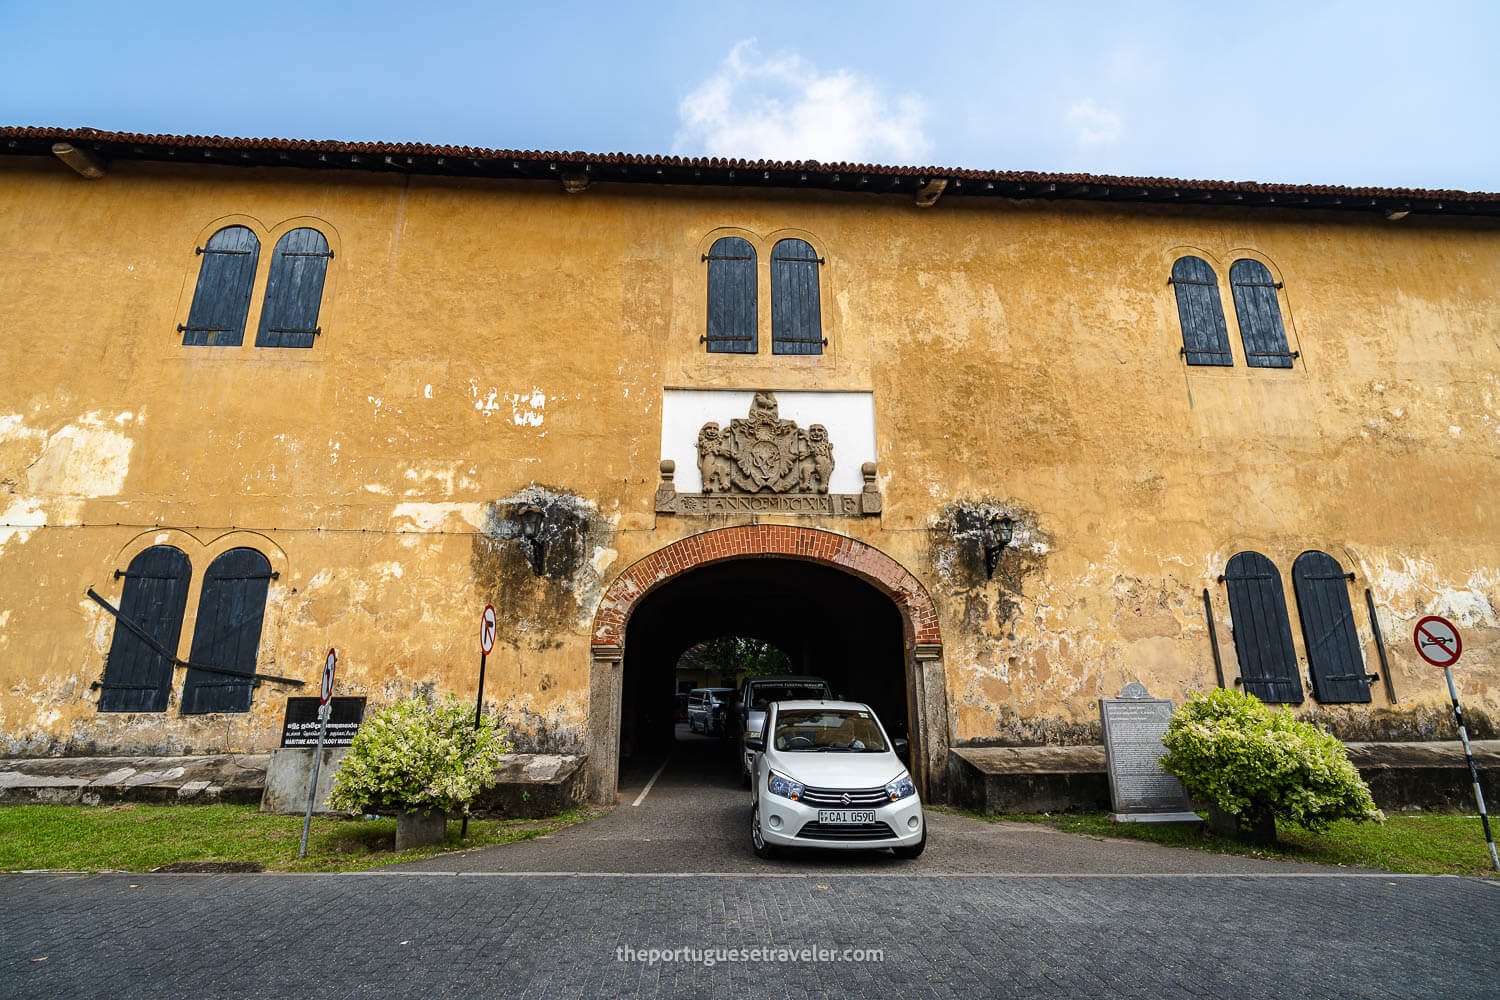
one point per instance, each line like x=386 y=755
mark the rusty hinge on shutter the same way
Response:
x=101 y=685
x=316 y=331
x=1257 y=284
x=1184 y=352
x=709 y=256
x=1337 y=576
x=1189 y=281
x=200 y=250
x=302 y=253
x=203 y=329
x=252 y=576
x=1273 y=354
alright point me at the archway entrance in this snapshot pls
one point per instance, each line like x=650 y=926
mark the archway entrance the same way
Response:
x=840 y=609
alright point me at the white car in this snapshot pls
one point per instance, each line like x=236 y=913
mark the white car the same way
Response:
x=826 y=775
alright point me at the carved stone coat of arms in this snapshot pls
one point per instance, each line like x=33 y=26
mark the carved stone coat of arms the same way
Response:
x=763 y=453
x=763 y=463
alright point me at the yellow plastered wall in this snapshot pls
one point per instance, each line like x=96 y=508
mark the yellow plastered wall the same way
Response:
x=481 y=337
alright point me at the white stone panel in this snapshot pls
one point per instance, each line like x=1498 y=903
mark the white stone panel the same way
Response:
x=849 y=417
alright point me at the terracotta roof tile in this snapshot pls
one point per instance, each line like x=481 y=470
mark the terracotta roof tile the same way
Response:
x=425 y=158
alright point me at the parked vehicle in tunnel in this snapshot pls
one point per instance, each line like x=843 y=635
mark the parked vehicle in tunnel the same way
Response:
x=825 y=774
x=705 y=709
x=756 y=693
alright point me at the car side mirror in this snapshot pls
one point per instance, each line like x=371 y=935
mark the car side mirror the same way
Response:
x=755 y=744
x=901 y=747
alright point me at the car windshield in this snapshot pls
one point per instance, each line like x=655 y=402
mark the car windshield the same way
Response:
x=764 y=694
x=828 y=729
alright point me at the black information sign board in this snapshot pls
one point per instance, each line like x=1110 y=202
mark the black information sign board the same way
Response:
x=301 y=726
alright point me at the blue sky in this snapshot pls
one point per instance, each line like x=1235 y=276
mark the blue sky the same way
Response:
x=1367 y=93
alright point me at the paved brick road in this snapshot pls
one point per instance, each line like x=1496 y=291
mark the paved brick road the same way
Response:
x=424 y=935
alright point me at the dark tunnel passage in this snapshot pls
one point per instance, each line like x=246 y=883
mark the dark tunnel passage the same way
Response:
x=829 y=623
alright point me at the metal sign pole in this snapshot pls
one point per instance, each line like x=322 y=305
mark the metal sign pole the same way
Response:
x=324 y=711
x=463 y=830
x=1463 y=733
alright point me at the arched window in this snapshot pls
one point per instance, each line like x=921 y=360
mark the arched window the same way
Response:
x=1333 y=652
x=222 y=298
x=227 y=633
x=137 y=678
x=1262 y=631
x=732 y=307
x=294 y=291
x=796 y=310
x=1205 y=339
x=1259 y=315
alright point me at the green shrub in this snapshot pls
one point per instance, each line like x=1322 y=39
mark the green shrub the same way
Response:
x=1230 y=749
x=415 y=756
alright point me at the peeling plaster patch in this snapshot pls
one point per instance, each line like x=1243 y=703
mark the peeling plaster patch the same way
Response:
x=436 y=474
x=376 y=402
x=1455 y=430
x=21 y=512
x=388 y=570
x=526 y=408
x=84 y=459
x=429 y=516
x=489 y=403
x=602 y=560
x=379 y=488
x=427 y=392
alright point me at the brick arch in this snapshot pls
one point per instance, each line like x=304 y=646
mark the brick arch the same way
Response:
x=919 y=618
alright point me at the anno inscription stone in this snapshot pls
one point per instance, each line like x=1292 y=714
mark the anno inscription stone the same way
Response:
x=1139 y=788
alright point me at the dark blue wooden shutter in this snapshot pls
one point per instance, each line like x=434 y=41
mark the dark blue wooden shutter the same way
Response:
x=732 y=306
x=1262 y=631
x=796 y=310
x=294 y=291
x=1205 y=339
x=222 y=298
x=136 y=677
x=1333 y=653
x=227 y=633
x=1259 y=315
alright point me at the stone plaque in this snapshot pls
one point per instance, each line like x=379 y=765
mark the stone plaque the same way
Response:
x=1138 y=786
x=300 y=728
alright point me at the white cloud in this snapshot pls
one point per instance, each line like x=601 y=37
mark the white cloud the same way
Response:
x=1093 y=125
x=782 y=108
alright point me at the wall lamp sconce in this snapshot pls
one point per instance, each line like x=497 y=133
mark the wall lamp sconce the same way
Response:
x=997 y=535
x=531 y=527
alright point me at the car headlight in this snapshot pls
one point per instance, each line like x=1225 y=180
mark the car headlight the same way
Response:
x=900 y=788
x=785 y=787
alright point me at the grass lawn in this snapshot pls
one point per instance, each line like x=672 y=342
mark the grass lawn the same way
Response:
x=1427 y=844
x=137 y=838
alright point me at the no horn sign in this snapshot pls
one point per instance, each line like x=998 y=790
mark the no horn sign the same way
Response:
x=1437 y=641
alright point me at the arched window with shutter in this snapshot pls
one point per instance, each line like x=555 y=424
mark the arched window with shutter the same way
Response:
x=732 y=306
x=222 y=299
x=1205 y=339
x=1334 y=656
x=1259 y=314
x=796 y=309
x=1262 y=631
x=137 y=678
x=294 y=291
x=227 y=632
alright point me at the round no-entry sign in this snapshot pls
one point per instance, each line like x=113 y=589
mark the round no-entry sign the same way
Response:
x=1437 y=641
x=487 y=630
x=328 y=665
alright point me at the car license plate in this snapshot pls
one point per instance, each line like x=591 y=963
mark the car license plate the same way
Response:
x=846 y=816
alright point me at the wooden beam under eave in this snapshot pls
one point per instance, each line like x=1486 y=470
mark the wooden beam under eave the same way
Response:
x=929 y=193
x=85 y=162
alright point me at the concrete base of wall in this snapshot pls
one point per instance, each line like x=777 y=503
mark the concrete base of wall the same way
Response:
x=533 y=785
x=1401 y=776
x=91 y=781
